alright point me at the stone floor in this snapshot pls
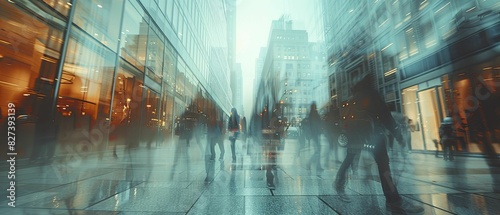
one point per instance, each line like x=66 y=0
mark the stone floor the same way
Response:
x=173 y=178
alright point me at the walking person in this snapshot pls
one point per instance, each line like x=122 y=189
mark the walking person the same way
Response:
x=315 y=125
x=214 y=137
x=332 y=131
x=365 y=123
x=234 y=128
x=448 y=137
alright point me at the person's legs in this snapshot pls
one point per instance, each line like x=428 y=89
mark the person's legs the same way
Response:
x=317 y=153
x=340 y=178
x=233 y=150
x=453 y=147
x=221 y=148
x=382 y=160
x=446 y=149
x=212 y=142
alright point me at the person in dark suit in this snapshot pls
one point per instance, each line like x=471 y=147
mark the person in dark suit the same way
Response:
x=365 y=125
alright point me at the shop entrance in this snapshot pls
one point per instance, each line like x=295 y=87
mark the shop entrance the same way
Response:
x=431 y=106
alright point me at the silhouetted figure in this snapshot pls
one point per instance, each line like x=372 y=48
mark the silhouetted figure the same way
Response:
x=448 y=138
x=305 y=131
x=255 y=147
x=332 y=131
x=315 y=125
x=234 y=127
x=365 y=123
x=214 y=136
x=402 y=123
x=186 y=125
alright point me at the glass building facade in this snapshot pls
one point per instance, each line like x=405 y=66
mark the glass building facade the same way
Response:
x=77 y=71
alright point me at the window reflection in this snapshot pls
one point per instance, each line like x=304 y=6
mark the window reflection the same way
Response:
x=29 y=53
x=127 y=96
x=62 y=6
x=134 y=37
x=155 y=56
x=85 y=90
x=101 y=19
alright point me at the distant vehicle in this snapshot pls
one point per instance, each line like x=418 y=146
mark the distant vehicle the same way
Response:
x=292 y=133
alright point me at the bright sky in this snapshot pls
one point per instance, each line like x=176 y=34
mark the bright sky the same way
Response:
x=253 y=21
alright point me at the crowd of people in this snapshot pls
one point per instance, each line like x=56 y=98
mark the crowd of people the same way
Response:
x=366 y=124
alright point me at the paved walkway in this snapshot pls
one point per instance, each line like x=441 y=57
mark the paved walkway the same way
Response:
x=175 y=179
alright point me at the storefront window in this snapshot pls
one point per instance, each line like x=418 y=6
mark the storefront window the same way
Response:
x=430 y=115
x=476 y=102
x=100 y=19
x=151 y=119
x=85 y=90
x=166 y=123
x=134 y=37
x=410 y=110
x=29 y=55
x=127 y=100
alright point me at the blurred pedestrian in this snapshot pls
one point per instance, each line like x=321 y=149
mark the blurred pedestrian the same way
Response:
x=365 y=123
x=448 y=137
x=332 y=131
x=214 y=136
x=234 y=128
x=315 y=125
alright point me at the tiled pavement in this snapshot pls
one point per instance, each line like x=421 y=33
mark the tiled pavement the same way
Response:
x=176 y=179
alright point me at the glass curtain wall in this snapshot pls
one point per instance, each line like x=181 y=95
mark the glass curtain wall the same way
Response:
x=30 y=49
x=169 y=74
x=118 y=69
x=127 y=100
x=85 y=91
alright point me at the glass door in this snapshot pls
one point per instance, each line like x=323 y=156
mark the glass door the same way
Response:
x=430 y=105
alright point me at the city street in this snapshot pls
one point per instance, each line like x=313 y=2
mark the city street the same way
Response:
x=173 y=178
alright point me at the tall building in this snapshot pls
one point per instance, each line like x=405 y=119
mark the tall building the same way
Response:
x=85 y=65
x=237 y=88
x=431 y=59
x=291 y=71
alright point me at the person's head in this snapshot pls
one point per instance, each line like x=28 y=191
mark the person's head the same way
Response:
x=313 y=106
x=234 y=112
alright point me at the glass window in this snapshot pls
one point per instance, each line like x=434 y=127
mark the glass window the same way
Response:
x=428 y=34
x=149 y=128
x=489 y=4
x=443 y=18
x=60 y=5
x=155 y=56
x=86 y=83
x=402 y=46
x=134 y=37
x=412 y=42
x=29 y=55
x=101 y=19
x=410 y=109
x=169 y=67
x=127 y=96
x=175 y=17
